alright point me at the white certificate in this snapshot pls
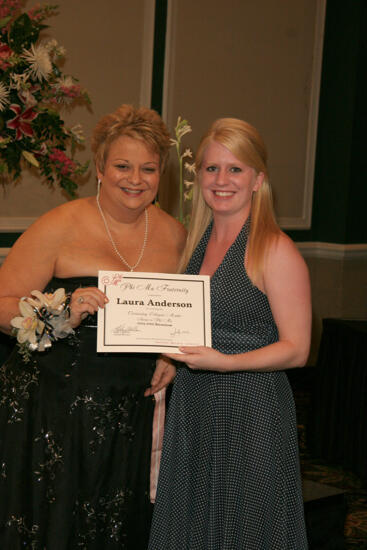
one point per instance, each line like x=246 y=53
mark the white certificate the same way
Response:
x=153 y=312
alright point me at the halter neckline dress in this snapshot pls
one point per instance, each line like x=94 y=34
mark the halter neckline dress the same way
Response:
x=229 y=476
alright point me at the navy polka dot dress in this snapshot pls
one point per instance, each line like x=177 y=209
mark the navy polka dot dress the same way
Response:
x=229 y=477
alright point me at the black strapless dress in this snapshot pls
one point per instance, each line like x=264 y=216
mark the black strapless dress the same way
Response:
x=75 y=444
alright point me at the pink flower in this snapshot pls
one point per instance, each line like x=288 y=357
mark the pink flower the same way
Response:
x=66 y=90
x=9 y=7
x=71 y=91
x=5 y=53
x=36 y=13
x=20 y=123
x=62 y=161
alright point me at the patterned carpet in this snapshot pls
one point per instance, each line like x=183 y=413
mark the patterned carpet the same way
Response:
x=315 y=469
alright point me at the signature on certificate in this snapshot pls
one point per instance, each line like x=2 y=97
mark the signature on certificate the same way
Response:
x=121 y=330
x=179 y=332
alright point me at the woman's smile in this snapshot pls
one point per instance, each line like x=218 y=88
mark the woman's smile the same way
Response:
x=223 y=194
x=227 y=183
x=131 y=174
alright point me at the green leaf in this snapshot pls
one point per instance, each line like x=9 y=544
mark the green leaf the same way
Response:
x=23 y=33
x=48 y=125
x=13 y=154
x=30 y=158
x=83 y=168
x=4 y=21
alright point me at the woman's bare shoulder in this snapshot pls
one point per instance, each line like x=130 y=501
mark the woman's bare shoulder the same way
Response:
x=169 y=226
x=51 y=228
x=34 y=254
x=58 y=222
x=284 y=262
x=282 y=247
x=64 y=213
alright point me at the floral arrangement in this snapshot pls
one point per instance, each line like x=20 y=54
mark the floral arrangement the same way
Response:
x=32 y=92
x=185 y=185
x=44 y=319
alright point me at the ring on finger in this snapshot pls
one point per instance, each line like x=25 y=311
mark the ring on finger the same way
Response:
x=80 y=300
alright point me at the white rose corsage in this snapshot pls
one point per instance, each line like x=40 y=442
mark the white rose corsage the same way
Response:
x=44 y=319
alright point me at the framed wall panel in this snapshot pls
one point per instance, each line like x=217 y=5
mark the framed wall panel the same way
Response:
x=259 y=61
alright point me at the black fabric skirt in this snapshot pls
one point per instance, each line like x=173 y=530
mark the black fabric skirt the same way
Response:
x=75 y=443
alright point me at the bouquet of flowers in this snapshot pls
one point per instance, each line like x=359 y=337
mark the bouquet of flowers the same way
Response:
x=44 y=318
x=32 y=92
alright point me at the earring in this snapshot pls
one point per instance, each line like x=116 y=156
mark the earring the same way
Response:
x=98 y=187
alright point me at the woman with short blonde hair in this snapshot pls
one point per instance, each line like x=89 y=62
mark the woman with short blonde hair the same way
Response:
x=76 y=425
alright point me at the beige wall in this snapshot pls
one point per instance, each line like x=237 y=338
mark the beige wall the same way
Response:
x=109 y=49
x=259 y=61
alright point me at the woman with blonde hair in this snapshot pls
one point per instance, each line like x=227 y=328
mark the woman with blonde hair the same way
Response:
x=75 y=426
x=230 y=474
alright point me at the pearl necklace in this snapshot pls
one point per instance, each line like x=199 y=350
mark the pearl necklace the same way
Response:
x=131 y=267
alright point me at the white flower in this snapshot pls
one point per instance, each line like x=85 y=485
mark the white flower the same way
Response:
x=188 y=183
x=27 y=97
x=39 y=60
x=188 y=195
x=18 y=81
x=33 y=333
x=51 y=44
x=54 y=49
x=182 y=130
x=54 y=302
x=28 y=324
x=187 y=153
x=65 y=82
x=77 y=133
x=4 y=96
x=191 y=168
